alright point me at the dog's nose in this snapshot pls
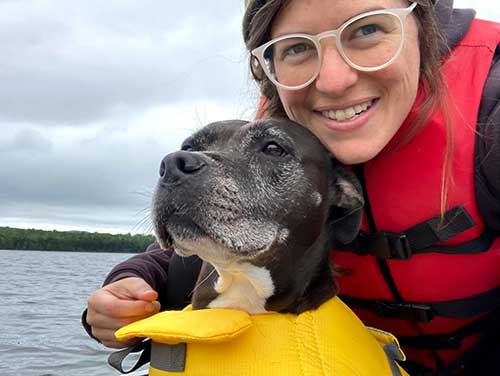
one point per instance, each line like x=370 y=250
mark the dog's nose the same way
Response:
x=181 y=163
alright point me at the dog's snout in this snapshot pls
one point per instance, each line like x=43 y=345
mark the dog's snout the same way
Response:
x=181 y=163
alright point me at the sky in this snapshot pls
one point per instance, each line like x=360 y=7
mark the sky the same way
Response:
x=93 y=94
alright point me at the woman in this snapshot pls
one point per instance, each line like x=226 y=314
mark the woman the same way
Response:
x=423 y=137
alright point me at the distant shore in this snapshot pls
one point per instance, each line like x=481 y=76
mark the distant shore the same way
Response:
x=72 y=241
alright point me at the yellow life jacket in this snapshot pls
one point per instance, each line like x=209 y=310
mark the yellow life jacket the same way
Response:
x=330 y=340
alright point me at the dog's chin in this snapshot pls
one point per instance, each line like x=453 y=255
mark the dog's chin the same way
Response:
x=208 y=250
x=188 y=238
x=214 y=252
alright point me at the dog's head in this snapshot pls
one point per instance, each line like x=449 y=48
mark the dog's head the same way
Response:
x=266 y=192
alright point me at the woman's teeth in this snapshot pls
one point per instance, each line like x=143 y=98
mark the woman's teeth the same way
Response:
x=347 y=113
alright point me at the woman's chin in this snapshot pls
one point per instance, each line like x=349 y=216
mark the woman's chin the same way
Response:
x=352 y=152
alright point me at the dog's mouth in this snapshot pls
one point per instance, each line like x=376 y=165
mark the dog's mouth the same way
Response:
x=164 y=238
x=189 y=239
x=173 y=230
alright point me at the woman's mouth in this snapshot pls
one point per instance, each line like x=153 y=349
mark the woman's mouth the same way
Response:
x=348 y=118
x=348 y=113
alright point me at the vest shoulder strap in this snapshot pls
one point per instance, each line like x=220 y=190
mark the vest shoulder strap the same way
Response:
x=425 y=312
x=423 y=238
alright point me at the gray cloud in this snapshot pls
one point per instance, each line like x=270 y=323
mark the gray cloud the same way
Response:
x=73 y=63
x=80 y=179
x=103 y=173
x=94 y=94
x=25 y=140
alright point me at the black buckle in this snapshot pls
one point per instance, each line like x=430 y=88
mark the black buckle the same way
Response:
x=432 y=341
x=407 y=311
x=386 y=245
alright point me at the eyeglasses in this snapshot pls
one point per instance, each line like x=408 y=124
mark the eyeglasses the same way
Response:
x=367 y=42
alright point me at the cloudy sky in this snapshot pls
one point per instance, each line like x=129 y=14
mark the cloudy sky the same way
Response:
x=94 y=93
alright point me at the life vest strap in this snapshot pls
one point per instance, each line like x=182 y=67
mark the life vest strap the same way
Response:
x=422 y=238
x=414 y=312
x=488 y=326
x=425 y=312
x=170 y=358
x=116 y=358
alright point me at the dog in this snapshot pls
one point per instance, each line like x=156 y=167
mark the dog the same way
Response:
x=262 y=203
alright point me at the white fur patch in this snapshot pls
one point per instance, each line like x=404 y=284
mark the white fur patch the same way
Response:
x=244 y=287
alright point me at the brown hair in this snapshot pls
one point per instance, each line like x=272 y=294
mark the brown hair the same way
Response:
x=257 y=23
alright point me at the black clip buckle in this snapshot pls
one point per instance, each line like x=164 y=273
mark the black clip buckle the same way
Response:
x=406 y=311
x=386 y=245
x=432 y=341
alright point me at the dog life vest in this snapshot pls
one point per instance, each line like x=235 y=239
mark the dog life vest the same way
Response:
x=434 y=284
x=330 y=340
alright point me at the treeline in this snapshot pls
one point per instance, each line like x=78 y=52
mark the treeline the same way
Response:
x=75 y=241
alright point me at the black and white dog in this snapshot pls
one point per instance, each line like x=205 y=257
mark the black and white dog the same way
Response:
x=262 y=203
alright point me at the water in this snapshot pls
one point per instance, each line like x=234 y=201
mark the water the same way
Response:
x=42 y=296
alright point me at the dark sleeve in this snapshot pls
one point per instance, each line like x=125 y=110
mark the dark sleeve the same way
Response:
x=487 y=155
x=151 y=265
x=172 y=276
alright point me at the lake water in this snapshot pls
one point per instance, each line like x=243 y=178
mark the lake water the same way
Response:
x=42 y=296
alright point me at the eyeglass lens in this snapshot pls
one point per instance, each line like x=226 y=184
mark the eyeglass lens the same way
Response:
x=369 y=42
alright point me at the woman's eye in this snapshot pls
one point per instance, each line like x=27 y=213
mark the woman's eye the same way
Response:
x=187 y=148
x=273 y=149
x=296 y=49
x=365 y=30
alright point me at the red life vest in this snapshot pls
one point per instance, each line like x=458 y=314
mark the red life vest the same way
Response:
x=429 y=282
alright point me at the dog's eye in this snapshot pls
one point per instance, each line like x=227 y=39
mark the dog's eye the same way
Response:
x=273 y=149
x=187 y=147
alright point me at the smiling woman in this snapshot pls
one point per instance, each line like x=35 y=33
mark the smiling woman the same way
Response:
x=400 y=115
x=354 y=135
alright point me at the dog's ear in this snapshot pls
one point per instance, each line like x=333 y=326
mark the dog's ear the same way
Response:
x=346 y=204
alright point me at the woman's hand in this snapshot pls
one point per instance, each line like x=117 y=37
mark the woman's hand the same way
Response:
x=119 y=304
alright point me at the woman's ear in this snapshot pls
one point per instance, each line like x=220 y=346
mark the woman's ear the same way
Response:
x=262 y=107
x=346 y=205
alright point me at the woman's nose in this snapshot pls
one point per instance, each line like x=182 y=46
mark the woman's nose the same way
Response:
x=335 y=75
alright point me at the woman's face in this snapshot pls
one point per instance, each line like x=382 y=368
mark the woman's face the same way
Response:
x=390 y=92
